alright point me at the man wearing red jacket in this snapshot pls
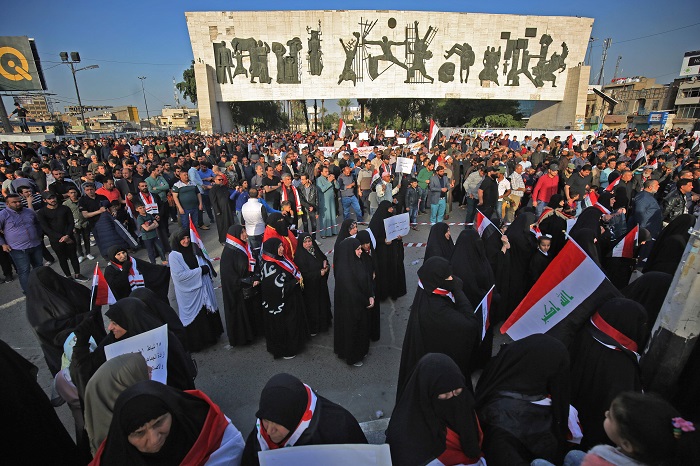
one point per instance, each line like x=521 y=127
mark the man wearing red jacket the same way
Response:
x=546 y=187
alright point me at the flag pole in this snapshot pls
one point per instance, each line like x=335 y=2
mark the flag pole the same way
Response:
x=92 y=288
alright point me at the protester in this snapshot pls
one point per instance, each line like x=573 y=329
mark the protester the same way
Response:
x=125 y=273
x=326 y=185
x=286 y=329
x=439 y=242
x=21 y=237
x=291 y=414
x=391 y=274
x=240 y=285
x=57 y=223
x=315 y=269
x=347 y=229
x=254 y=217
x=103 y=389
x=192 y=275
x=276 y=227
x=668 y=248
x=160 y=309
x=156 y=424
x=434 y=419
x=221 y=205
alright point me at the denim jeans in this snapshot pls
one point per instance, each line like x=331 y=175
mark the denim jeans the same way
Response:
x=573 y=458
x=437 y=211
x=153 y=246
x=540 y=207
x=25 y=260
x=471 y=210
x=255 y=243
x=413 y=214
x=423 y=192
x=185 y=218
x=348 y=202
x=206 y=203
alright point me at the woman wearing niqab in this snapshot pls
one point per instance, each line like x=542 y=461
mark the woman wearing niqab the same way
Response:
x=434 y=419
x=441 y=321
x=314 y=268
x=308 y=418
x=103 y=389
x=286 y=330
x=276 y=227
x=552 y=222
x=439 y=242
x=55 y=306
x=243 y=316
x=522 y=399
x=650 y=291
x=353 y=298
x=369 y=258
x=667 y=251
x=604 y=363
x=125 y=276
x=390 y=273
x=195 y=429
x=587 y=239
x=194 y=290
x=523 y=245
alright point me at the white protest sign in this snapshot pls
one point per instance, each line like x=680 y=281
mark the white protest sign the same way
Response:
x=327 y=150
x=389 y=133
x=153 y=345
x=337 y=455
x=352 y=145
x=401 y=141
x=404 y=165
x=301 y=146
x=397 y=225
x=364 y=151
x=364 y=136
x=338 y=143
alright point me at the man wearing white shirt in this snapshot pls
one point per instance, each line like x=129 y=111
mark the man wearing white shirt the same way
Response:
x=517 y=190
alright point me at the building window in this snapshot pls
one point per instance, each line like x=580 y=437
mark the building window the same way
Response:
x=655 y=105
x=695 y=92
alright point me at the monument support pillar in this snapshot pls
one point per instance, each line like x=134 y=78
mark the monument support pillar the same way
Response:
x=209 y=120
x=570 y=113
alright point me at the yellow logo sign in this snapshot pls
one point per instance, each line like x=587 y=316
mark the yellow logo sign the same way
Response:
x=14 y=66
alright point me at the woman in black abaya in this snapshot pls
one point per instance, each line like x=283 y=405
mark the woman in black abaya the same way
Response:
x=439 y=242
x=442 y=321
x=523 y=245
x=243 y=316
x=668 y=248
x=314 y=268
x=369 y=260
x=434 y=419
x=604 y=363
x=586 y=238
x=650 y=291
x=353 y=298
x=55 y=306
x=552 y=222
x=347 y=229
x=125 y=273
x=163 y=312
x=588 y=219
x=522 y=399
x=391 y=274
x=286 y=330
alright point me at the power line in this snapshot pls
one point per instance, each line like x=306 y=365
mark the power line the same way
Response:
x=651 y=35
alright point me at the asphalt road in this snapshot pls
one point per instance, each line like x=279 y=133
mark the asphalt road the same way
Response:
x=234 y=377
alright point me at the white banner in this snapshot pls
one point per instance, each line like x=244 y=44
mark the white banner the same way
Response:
x=389 y=133
x=404 y=165
x=153 y=345
x=401 y=141
x=364 y=136
x=337 y=455
x=397 y=225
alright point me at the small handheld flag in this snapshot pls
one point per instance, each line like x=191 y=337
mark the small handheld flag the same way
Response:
x=625 y=248
x=342 y=129
x=196 y=239
x=485 y=306
x=611 y=187
x=434 y=129
x=482 y=223
x=101 y=292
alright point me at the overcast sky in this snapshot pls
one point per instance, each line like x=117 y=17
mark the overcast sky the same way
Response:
x=150 y=38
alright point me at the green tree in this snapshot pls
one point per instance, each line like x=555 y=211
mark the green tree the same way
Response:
x=264 y=115
x=344 y=105
x=188 y=85
x=464 y=112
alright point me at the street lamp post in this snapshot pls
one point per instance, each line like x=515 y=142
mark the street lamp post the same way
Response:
x=148 y=117
x=75 y=58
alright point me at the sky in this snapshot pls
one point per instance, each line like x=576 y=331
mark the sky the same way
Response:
x=149 y=38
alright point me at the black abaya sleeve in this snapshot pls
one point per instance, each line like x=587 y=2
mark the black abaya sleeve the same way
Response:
x=118 y=280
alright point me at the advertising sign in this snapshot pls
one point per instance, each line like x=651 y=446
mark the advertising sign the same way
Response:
x=20 y=68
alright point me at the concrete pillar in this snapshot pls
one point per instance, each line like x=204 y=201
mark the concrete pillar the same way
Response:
x=571 y=111
x=676 y=330
x=206 y=98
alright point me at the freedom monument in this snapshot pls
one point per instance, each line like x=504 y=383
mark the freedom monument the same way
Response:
x=332 y=54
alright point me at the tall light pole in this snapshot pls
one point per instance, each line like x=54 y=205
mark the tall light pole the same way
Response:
x=75 y=58
x=148 y=117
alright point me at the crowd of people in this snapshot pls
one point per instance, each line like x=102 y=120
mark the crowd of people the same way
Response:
x=544 y=399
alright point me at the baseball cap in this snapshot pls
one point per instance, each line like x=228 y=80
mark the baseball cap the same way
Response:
x=571 y=166
x=554 y=167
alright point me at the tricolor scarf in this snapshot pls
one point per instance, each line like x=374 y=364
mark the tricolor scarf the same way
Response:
x=285 y=264
x=610 y=337
x=232 y=241
x=266 y=442
x=150 y=203
x=285 y=197
x=439 y=291
x=135 y=277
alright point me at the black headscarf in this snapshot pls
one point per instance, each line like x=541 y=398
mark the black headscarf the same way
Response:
x=650 y=291
x=188 y=253
x=621 y=198
x=555 y=201
x=303 y=254
x=283 y=401
x=133 y=315
x=417 y=430
x=377 y=222
x=271 y=246
x=668 y=248
x=55 y=306
x=434 y=274
x=364 y=237
x=235 y=231
x=600 y=373
x=536 y=365
x=114 y=250
x=156 y=277
x=438 y=244
x=471 y=265
x=161 y=311
x=344 y=231
x=589 y=219
x=277 y=221
x=142 y=403
x=523 y=245
x=605 y=200
x=586 y=238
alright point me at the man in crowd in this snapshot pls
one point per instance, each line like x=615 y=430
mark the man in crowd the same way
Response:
x=188 y=200
x=21 y=237
x=57 y=223
x=547 y=186
x=348 y=197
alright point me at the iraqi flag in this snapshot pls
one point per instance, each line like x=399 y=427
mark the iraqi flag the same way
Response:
x=641 y=159
x=568 y=292
x=625 y=248
x=434 y=130
x=342 y=129
x=196 y=239
x=611 y=187
x=485 y=307
x=101 y=292
x=482 y=223
x=590 y=199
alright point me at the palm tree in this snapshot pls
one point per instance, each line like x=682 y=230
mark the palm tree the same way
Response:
x=344 y=105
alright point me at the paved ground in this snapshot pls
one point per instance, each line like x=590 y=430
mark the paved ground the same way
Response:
x=234 y=377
